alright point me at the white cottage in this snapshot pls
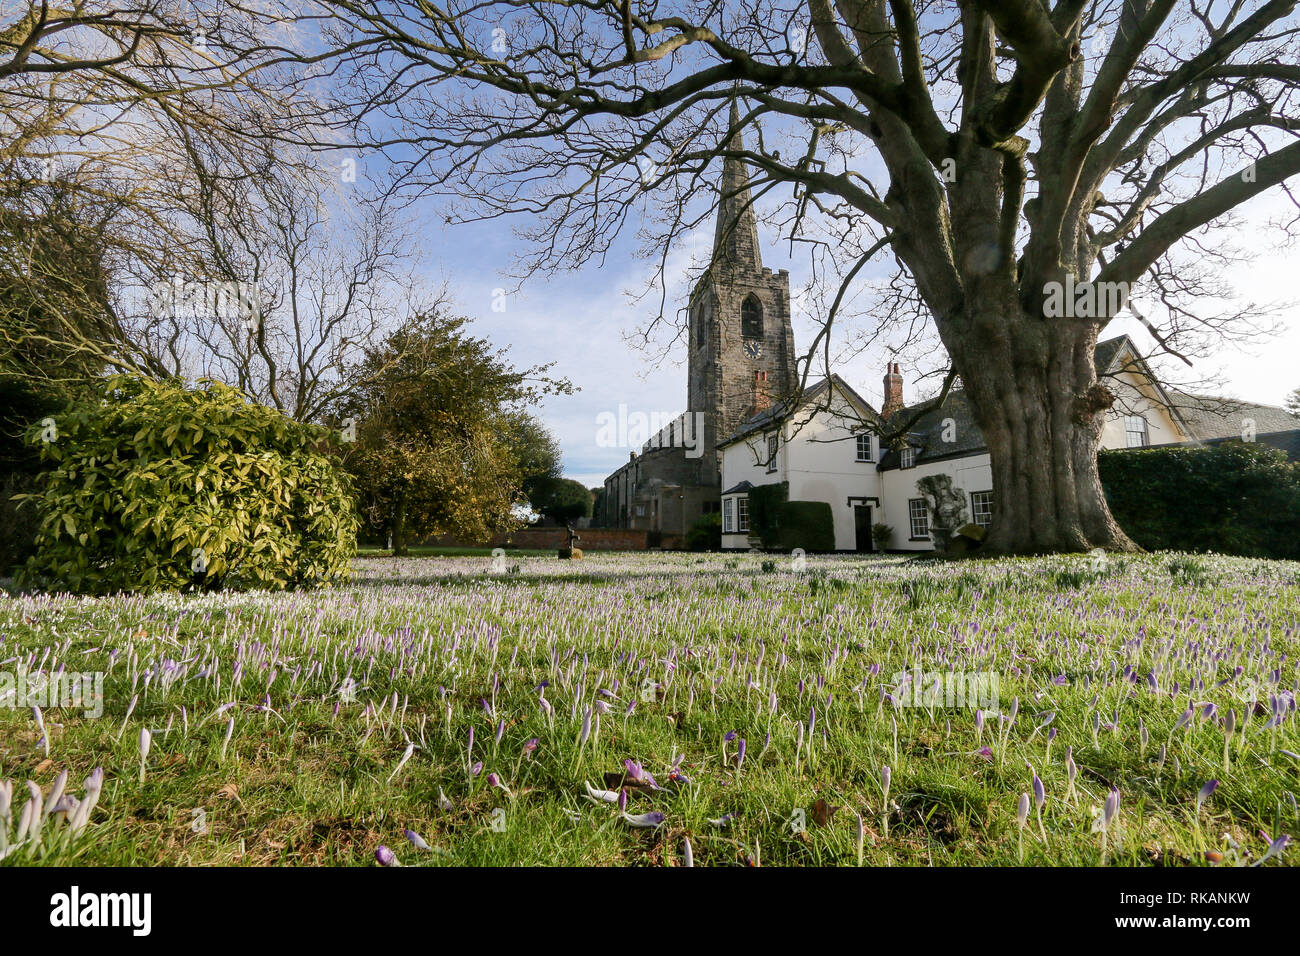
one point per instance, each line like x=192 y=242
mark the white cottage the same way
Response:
x=821 y=447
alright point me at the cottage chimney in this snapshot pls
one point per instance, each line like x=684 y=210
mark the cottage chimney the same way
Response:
x=762 y=398
x=893 y=391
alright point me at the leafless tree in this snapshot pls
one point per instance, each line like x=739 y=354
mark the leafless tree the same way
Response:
x=1002 y=150
x=227 y=252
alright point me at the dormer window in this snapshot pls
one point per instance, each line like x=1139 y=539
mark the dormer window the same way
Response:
x=907 y=457
x=751 y=318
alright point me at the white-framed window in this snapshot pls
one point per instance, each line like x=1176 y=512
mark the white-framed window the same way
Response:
x=907 y=457
x=981 y=508
x=1135 y=431
x=772 y=443
x=742 y=513
x=864 y=448
x=918 y=516
x=728 y=511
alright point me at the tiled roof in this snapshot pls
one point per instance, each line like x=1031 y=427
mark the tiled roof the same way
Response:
x=927 y=433
x=1211 y=417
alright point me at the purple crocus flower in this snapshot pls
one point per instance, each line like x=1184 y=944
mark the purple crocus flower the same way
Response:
x=1040 y=793
x=531 y=745
x=385 y=856
x=740 y=752
x=1204 y=793
x=1274 y=848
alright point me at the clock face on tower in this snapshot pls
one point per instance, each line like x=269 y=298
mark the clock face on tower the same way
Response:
x=754 y=349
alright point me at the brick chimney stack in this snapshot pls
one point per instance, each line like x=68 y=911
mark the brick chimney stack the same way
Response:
x=893 y=391
x=762 y=397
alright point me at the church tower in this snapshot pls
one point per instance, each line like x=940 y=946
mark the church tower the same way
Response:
x=741 y=345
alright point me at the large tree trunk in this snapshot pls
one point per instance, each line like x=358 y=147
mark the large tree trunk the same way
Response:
x=1035 y=396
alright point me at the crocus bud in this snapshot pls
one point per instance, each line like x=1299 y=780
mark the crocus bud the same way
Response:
x=1022 y=811
x=385 y=856
x=415 y=839
x=1204 y=793
x=1112 y=807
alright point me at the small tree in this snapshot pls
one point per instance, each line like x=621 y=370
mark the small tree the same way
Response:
x=563 y=500
x=154 y=486
x=438 y=447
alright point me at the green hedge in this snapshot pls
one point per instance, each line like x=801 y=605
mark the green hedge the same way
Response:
x=806 y=524
x=153 y=486
x=706 y=533
x=1232 y=498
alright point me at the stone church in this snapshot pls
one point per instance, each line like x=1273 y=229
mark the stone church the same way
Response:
x=741 y=360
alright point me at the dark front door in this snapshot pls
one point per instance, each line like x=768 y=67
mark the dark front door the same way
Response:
x=862 y=527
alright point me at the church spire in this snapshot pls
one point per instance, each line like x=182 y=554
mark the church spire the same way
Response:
x=735 y=237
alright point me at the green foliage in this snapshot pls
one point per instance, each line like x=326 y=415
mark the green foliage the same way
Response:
x=706 y=533
x=1234 y=498
x=881 y=535
x=806 y=524
x=562 y=499
x=765 y=503
x=156 y=487
x=443 y=442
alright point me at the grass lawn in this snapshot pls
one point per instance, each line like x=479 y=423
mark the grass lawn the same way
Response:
x=474 y=708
